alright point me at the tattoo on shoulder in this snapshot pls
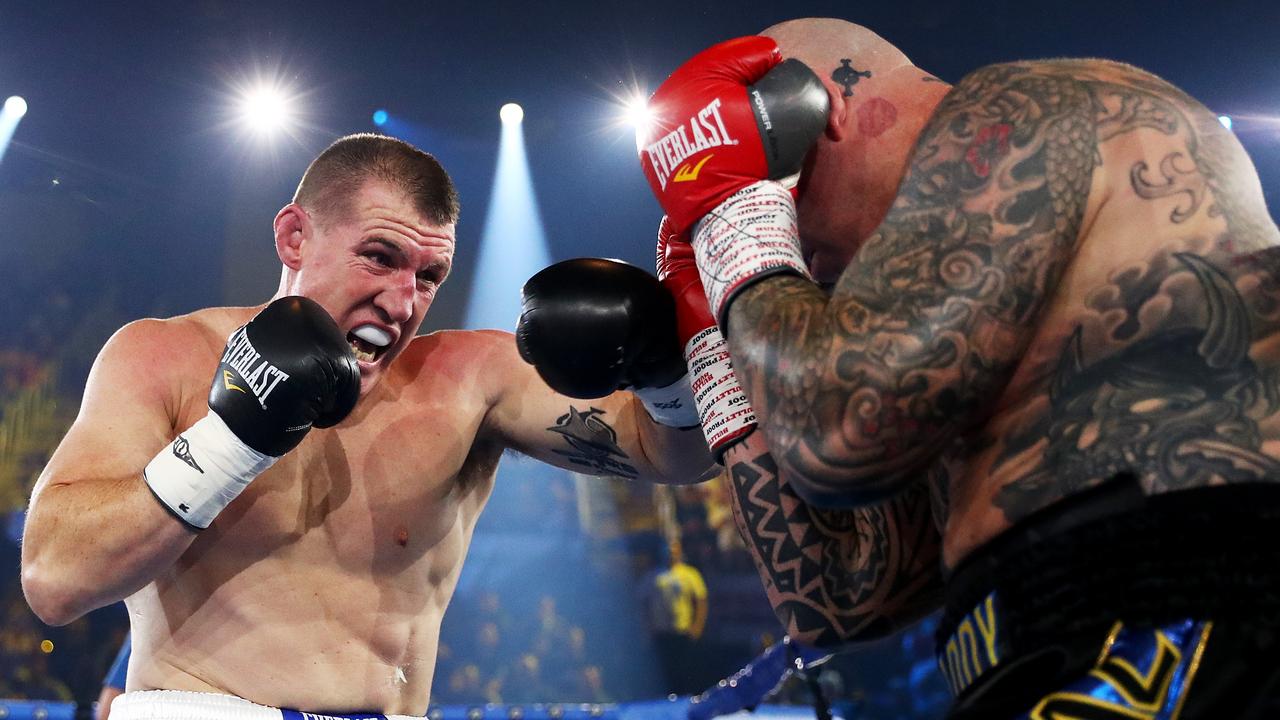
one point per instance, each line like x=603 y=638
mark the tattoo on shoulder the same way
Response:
x=1158 y=376
x=593 y=443
x=927 y=325
x=930 y=316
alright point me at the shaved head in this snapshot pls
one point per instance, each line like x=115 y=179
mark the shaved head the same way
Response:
x=880 y=102
x=822 y=43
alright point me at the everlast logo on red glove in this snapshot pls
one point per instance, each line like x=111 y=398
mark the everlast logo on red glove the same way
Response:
x=703 y=131
x=734 y=114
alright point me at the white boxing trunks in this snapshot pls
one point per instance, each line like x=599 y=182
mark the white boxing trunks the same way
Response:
x=181 y=705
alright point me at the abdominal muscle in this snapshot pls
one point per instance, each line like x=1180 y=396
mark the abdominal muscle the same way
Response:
x=316 y=639
x=314 y=592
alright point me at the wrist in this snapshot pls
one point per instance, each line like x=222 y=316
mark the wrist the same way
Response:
x=672 y=406
x=203 y=470
x=751 y=235
x=724 y=411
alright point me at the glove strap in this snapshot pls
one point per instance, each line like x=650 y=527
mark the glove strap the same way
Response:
x=203 y=470
x=724 y=411
x=672 y=405
x=748 y=237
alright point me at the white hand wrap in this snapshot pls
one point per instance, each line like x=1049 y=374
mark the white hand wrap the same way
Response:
x=751 y=235
x=723 y=409
x=671 y=405
x=203 y=470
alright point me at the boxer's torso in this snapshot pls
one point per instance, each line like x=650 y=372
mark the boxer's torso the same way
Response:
x=1158 y=350
x=323 y=585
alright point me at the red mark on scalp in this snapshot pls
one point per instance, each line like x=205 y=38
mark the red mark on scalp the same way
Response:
x=402 y=537
x=876 y=116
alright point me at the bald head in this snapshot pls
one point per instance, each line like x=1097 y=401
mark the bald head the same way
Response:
x=880 y=102
x=821 y=43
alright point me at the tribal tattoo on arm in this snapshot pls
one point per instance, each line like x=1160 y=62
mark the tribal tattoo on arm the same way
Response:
x=860 y=391
x=836 y=576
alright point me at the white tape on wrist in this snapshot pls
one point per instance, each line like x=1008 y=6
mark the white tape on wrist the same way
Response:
x=749 y=236
x=671 y=405
x=203 y=470
x=723 y=409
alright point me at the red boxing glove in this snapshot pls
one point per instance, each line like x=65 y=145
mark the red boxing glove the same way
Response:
x=723 y=410
x=732 y=115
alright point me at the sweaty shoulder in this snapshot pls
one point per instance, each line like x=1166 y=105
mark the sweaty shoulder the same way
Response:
x=164 y=362
x=172 y=344
x=473 y=361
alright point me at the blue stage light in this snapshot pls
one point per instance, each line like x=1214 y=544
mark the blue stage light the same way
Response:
x=379 y=117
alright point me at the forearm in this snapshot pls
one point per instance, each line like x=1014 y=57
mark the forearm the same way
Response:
x=834 y=577
x=674 y=456
x=93 y=542
x=831 y=392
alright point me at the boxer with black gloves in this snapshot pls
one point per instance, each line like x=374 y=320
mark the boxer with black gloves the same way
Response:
x=288 y=370
x=593 y=326
x=339 y=462
x=1049 y=311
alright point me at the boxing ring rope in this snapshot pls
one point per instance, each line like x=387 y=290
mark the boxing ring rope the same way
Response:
x=745 y=690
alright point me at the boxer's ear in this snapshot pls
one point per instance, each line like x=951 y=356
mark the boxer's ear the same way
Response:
x=292 y=224
x=835 y=130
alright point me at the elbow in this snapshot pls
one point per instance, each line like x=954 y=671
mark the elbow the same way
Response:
x=843 y=489
x=51 y=597
x=850 y=493
x=829 y=636
x=825 y=474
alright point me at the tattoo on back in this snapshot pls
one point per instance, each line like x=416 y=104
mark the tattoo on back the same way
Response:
x=1179 y=405
x=593 y=443
x=1158 y=374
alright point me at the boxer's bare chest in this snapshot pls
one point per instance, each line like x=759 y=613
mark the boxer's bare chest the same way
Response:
x=393 y=486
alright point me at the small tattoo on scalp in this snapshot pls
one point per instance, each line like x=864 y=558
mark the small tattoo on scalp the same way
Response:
x=847 y=76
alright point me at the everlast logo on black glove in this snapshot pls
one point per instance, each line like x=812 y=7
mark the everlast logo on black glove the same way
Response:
x=707 y=131
x=260 y=376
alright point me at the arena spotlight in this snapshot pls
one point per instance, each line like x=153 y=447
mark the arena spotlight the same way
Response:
x=379 y=117
x=513 y=243
x=1225 y=120
x=637 y=113
x=266 y=109
x=15 y=106
x=10 y=115
x=511 y=114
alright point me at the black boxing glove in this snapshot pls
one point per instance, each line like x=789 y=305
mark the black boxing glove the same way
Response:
x=591 y=326
x=288 y=370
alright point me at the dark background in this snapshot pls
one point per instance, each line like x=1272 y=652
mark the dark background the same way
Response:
x=128 y=107
x=130 y=191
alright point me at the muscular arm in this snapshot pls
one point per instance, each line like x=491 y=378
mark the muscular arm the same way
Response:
x=858 y=392
x=94 y=534
x=834 y=576
x=613 y=435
